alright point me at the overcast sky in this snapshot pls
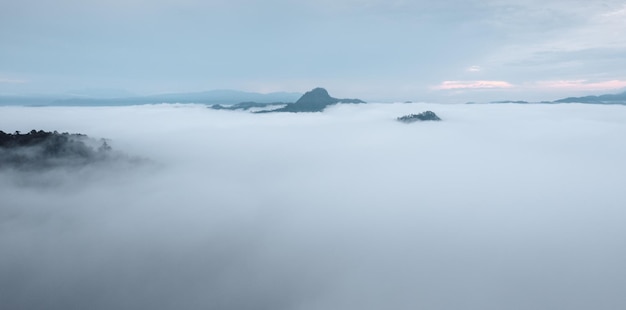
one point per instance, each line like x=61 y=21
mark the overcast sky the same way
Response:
x=372 y=49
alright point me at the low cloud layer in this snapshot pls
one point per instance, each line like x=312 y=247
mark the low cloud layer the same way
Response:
x=495 y=207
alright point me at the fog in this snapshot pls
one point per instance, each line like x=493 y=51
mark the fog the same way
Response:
x=495 y=207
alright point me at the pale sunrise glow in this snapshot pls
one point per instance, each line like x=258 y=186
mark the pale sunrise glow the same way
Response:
x=578 y=85
x=451 y=85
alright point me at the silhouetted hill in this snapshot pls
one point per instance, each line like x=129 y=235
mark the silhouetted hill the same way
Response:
x=42 y=149
x=315 y=100
x=602 y=99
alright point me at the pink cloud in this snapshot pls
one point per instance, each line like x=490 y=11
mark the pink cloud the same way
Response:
x=448 y=85
x=581 y=85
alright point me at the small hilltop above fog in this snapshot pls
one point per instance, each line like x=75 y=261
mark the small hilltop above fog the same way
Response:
x=315 y=100
x=424 y=116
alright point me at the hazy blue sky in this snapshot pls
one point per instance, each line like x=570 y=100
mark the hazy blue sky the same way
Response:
x=373 y=49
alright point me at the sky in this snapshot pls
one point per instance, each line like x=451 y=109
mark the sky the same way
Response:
x=495 y=207
x=443 y=51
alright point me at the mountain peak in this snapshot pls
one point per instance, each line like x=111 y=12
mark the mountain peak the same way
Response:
x=316 y=99
x=318 y=91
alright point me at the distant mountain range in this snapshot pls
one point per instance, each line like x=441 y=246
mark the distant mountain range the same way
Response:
x=602 y=99
x=509 y=101
x=233 y=97
x=619 y=98
x=208 y=97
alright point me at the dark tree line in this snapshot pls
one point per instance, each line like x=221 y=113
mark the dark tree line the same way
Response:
x=33 y=137
x=40 y=149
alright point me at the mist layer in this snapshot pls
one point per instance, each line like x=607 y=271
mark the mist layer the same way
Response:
x=494 y=207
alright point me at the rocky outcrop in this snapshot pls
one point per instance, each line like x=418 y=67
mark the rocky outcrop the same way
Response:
x=424 y=116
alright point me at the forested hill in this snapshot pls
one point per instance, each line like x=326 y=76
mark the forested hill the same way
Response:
x=44 y=149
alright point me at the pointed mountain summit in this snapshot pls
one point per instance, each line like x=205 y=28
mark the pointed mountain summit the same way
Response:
x=315 y=100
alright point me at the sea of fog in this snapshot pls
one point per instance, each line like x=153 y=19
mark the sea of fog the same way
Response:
x=495 y=207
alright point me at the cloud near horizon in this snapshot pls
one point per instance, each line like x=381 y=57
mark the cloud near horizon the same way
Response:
x=568 y=85
x=455 y=85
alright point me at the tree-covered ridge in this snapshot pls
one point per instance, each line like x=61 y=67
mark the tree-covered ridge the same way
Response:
x=43 y=149
x=424 y=116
